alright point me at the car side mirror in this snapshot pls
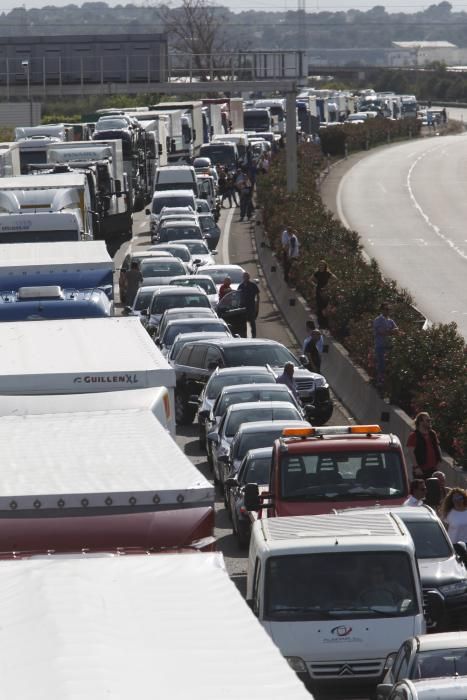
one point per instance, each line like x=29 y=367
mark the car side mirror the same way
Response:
x=304 y=360
x=213 y=437
x=214 y=252
x=197 y=261
x=147 y=212
x=251 y=497
x=224 y=459
x=144 y=312
x=461 y=550
x=231 y=482
x=127 y=311
x=157 y=342
x=383 y=690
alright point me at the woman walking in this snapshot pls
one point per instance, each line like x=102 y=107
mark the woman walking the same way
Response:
x=454 y=515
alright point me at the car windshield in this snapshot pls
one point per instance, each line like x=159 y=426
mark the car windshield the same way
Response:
x=106 y=124
x=161 y=268
x=440 y=663
x=429 y=539
x=195 y=325
x=257 y=354
x=259 y=413
x=180 y=234
x=219 y=274
x=260 y=394
x=171 y=301
x=217 y=383
x=202 y=205
x=342 y=475
x=179 y=253
x=143 y=299
x=207 y=223
x=205 y=283
x=197 y=248
x=252 y=441
x=310 y=586
x=256 y=471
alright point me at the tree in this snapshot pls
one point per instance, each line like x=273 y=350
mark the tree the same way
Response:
x=197 y=35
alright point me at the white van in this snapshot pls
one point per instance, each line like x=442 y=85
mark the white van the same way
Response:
x=170 y=199
x=338 y=594
x=176 y=177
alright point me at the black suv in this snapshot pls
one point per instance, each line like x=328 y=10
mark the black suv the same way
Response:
x=198 y=359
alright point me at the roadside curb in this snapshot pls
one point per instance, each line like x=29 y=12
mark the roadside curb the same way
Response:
x=350 y=383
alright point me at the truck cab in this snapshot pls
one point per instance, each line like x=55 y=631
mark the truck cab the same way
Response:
x=316 y=470
x=338 y=594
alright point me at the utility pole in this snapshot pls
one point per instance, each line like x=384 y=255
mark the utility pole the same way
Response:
x=291 y=140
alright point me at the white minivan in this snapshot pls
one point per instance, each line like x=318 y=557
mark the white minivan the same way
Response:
x=170 y=199
x=337 y=593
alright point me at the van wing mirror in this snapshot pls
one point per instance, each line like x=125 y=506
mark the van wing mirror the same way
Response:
x=251 y=497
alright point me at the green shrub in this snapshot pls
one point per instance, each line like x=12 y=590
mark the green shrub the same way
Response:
x=426 y=369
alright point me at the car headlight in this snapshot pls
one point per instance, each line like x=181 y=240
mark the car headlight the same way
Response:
x=456 y=588
x=389 y=661
x=296 y=663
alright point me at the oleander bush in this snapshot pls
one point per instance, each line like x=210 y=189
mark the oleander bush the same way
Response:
x=427 y=368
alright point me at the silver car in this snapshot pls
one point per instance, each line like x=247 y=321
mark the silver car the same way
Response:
x=222 y=437
x=220 y=378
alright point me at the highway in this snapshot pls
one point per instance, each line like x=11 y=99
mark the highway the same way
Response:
x=235 y=246
x=408 y=203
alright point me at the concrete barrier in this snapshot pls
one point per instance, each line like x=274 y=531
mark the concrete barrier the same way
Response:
x=350 y=383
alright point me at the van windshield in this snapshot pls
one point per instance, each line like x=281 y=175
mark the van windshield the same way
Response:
x=341 y=586
x=337 y=476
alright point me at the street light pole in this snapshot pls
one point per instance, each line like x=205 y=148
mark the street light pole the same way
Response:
x=26 y=67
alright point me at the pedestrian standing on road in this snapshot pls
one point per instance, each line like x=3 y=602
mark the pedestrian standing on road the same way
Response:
x=423 y=445
x=417 y=493
x=133 y=282
x=312 y=352
x=321 y=277
x=292 y=255
x=285 y=248
x=249 y=298
x=230 y=191
x=287 y=378
x=225 y=287
x=310 y=327
x=454 y=515
x=384 y=328
x=244 y=187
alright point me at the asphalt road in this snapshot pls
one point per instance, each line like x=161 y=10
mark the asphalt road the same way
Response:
x=408 y=204
x=235 y=246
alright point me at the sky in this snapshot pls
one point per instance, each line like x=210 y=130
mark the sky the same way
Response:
x=268 y=5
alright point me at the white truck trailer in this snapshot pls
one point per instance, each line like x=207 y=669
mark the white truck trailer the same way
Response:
x=53 y=195
x=99 y=464
x=68 y=264
x=154 y=399
x=79 y=356
x=126 y=627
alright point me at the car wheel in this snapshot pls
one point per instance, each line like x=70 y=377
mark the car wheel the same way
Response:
x=184 y=414
x=202 y=439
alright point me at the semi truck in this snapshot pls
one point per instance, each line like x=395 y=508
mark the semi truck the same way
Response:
x=154 y=399
x=119 y=463
x=53 y=195
x=71 y=265
x=103 y=166
x=10 y=165
x=134 y=627
x=80 y=356
x=192 y=127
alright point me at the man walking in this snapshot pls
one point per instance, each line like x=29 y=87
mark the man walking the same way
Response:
x=383 y=330
x=250 y=300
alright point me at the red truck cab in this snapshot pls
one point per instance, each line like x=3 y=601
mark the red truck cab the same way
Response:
x=317 y=470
